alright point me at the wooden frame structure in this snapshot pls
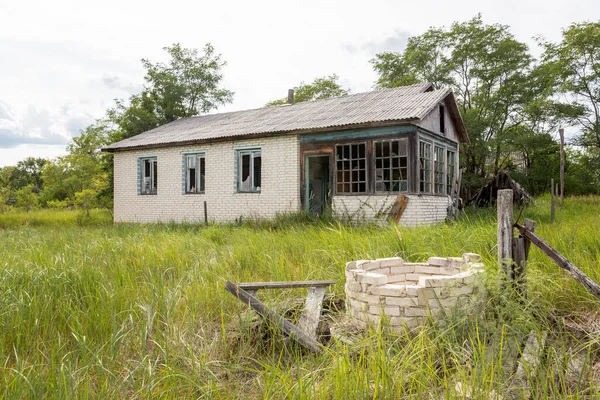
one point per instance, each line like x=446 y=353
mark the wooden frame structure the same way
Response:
x=305 y=332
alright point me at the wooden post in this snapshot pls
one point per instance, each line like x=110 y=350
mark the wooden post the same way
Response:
x=521 y=246
x=505 y=231
x=552 y=200
x=205 y=214
x=561 y=132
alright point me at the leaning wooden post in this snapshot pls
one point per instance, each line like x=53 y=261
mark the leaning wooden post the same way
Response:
x=520 y=251
x=552 y=200
x=505 y=231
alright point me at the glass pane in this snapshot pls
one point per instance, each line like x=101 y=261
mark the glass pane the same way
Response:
x=245 y=173
x=202 y=173
x=191 y=161
x=257 y=168
x=155 y=175
x=191 y=180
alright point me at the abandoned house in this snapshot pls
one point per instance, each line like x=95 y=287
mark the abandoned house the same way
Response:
x=351 y=155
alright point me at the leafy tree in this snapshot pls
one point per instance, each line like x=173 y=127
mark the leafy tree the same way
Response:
x=26 y=198
x=575 y=66
x=321 y=88
x=492 y=75
x=189 y=84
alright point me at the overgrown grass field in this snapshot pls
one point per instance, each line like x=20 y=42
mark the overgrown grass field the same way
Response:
x=92 y=309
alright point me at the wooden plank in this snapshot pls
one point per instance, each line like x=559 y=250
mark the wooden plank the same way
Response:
x=309 y=319
x=520 y=265
x=561 y=261
x=398 y=207
x=286 y=326
x=530 y=226
x=205 y=214
x=284 y=285
x=505 y=231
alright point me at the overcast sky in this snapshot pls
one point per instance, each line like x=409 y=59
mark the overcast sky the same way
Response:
x=62 y=62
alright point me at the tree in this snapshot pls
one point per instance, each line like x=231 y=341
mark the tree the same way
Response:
x=490 y=73
x=188 y=84
x=575 y=66
x=321 y=88
x=26 y=198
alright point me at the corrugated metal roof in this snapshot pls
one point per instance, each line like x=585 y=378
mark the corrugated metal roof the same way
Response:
x=397 y=104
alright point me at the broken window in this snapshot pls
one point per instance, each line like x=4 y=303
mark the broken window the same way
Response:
x=391 y=166
x=439 y=167
x=451 y=165
x=149 y=176
x=250 y=164
x=351 y=168
x=425 y=167
x=194 y=173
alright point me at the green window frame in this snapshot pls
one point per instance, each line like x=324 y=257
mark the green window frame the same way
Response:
x=351 y=168
x=249 y=170
x=148 y=175
x=439 y=169
x=391 y=165
x=425 y=158
x=194 y=165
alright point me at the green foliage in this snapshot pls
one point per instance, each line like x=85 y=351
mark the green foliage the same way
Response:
x=574 y=64
x=107 y=311
x=497 y=85
x=189 y=84
x=321 y=88
x=26 y=198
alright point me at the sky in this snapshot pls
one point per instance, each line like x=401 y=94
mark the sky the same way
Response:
x=63 y=62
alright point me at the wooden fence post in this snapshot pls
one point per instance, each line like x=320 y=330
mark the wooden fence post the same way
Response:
x=505 y=231
x=520 y=248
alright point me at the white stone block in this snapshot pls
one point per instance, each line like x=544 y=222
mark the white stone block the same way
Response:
x=405 y=269
x=439 y=261
x=391 y=262
x=372 y=278
x=402 y=301
x=388 y=311
x=471 y=257
x=389 y=290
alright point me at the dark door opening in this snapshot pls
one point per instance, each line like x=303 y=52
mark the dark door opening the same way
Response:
x=317 y=184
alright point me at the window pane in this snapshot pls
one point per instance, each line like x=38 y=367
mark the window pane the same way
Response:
x=245 y=172
x=388 y=161
x=202 y=173
x=257 y=168
x=155 y=176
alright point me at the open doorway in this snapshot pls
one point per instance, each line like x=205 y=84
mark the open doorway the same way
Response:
x=317 y=184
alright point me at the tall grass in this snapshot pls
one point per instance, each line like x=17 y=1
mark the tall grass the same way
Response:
x=88 y=309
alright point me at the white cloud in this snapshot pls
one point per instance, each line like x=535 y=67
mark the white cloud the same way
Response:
x=64 y=61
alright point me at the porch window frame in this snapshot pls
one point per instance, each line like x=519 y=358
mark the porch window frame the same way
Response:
x=367 y=169
x=422 y=177
x=439 y=169
x=407 y=167
x=450 y=170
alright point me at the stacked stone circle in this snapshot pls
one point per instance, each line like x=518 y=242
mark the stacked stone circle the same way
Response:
x=408 y=293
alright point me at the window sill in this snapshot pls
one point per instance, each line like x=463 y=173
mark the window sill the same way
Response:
x=193 y=193
x=248 y=192
x=148 y=194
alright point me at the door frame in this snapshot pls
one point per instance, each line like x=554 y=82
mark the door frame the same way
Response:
x=305 y=172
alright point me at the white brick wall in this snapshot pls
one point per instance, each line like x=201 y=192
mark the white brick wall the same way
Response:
x=280 y=190
x=420 y=210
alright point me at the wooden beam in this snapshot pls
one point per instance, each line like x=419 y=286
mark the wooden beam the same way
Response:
x=284 y=285
x=309 y=319
x=561 y=261
x=505 y=231
x=286 y=326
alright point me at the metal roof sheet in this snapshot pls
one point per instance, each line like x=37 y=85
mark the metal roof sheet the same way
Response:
x=397 y=104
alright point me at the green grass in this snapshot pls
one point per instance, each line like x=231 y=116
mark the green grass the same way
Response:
x=91 y=309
